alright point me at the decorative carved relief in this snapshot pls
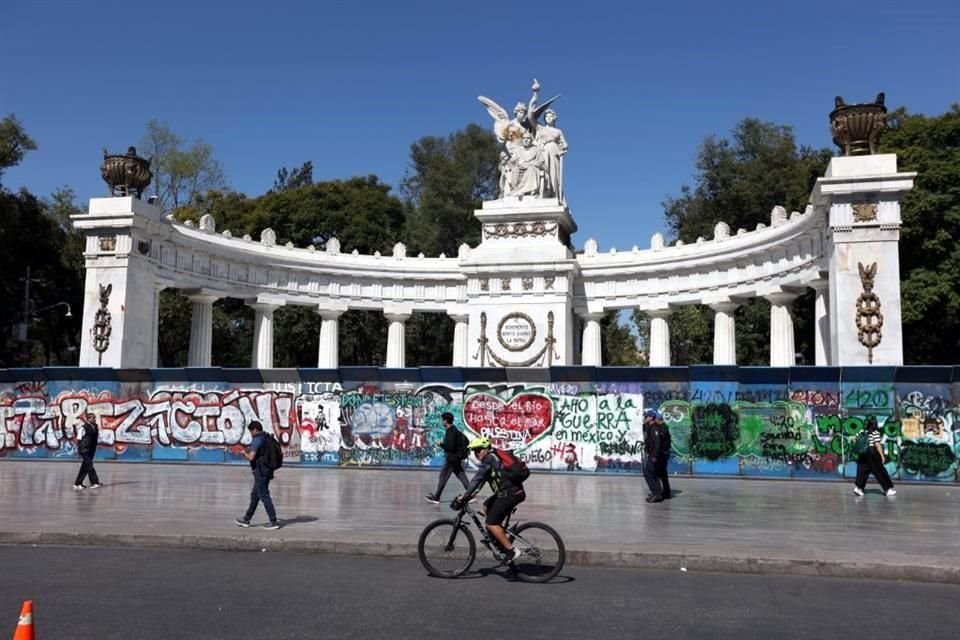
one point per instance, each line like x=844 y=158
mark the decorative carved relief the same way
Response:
x=504 y=284
x=107 y=243
x=544 y=357
x=548 y=282
x=516 y=331
x=865 y=211
x=268 y=237
x=519 y=229
x=484 y=285
x=527 y=284
x=869 y=317
x=207 y=223
x=101 y=324
x=143 y=246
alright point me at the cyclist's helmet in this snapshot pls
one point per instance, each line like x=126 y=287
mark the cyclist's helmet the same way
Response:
x=479 y=443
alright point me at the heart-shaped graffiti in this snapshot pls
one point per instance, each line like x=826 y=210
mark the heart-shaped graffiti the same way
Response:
x=509 y=425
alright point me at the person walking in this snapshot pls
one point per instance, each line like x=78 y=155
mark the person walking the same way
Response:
x=454 y=446
x=872 y=459
x=88 y=435
x=656 y=444
x=258 y=456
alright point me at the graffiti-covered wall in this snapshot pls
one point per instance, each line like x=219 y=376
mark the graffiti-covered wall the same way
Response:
x=798 y=423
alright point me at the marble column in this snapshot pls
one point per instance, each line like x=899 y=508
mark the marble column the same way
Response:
x=201 y=329
x=659 y=337
x=724 y=333
x=396 y=340
x=155 y=328
x=821 y=322
x=782 y=346
x=262 y=356
x=328 y=355
x=591 y=354
x=461 y=346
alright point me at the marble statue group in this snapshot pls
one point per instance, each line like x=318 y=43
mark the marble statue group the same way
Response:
x=531 y=163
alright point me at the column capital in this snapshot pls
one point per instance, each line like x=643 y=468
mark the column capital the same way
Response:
x=820 y=284
x=327 y=313
x=459 y=316
x=662 y=312
x=724 y=306
x=397 y=314
x=202 y=295
x=781 y=297
x=596 y=316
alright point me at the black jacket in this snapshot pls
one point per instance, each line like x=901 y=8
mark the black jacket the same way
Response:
x=656 y=441
x=451 y=445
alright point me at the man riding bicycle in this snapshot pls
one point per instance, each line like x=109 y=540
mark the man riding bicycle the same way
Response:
x=506 y=494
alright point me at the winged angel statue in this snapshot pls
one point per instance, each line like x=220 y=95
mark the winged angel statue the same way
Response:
x=531 y=163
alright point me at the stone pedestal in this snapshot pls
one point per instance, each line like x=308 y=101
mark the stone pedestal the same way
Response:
x=521 y=284
x=861 y=198
x=120 y=300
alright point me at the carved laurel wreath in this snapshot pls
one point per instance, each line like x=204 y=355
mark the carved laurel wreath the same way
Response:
x=519 y=229
x=520 y=316
x=547 y=353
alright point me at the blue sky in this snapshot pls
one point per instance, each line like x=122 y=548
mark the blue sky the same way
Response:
x=349 y=85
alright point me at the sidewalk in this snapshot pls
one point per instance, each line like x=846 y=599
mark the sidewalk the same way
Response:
x=752 y=526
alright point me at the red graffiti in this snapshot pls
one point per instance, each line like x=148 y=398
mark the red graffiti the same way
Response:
x=509 y=425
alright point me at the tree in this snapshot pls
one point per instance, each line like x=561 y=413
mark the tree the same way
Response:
x=929 y=259
x=739 y=181
x=14 y=144
x=448 y=178
x=180 y=174
x=617 y=342
x=299 y=177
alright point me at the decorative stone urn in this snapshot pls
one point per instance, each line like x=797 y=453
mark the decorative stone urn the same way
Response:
x=126 y=174
x=856 y=127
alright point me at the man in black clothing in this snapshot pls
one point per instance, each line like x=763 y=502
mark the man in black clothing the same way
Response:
x=88 y=435
x=656 y=444
x=454 y=446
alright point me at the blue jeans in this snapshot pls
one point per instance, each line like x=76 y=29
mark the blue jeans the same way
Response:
x=260 y=493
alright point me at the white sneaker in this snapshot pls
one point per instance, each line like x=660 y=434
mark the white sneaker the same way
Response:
x=516 y=554
x=857 y=491
x=891 y=492
x=96 y=486
x=78 y=487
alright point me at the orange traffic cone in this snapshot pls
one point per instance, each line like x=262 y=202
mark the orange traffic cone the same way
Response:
x=25 y=626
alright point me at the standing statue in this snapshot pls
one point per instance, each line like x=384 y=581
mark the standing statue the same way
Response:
x=551 y=140
x=546 y=147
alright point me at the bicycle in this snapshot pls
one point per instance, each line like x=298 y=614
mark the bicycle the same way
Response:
x=447 y=547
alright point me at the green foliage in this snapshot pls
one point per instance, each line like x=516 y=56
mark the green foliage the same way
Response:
x=447 y=180
x=286 y=180
x=179 y=174
x=739 y=181
x=930 y=236
x=14 y=143
x=618 y=343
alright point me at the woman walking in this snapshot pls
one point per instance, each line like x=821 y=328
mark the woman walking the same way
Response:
x=871 y=460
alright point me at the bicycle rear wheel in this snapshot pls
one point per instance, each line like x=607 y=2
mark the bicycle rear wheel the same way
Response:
x=446 y=551
x=543 y=552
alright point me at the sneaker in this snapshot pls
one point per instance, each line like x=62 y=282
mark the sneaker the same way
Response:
x=473 y=499
x=78 y=487
x=96 y=486
x=432 y=498
x=857 y=491
x=272 y=525
x=242 y=523
x=891 y=492
x=516 y=554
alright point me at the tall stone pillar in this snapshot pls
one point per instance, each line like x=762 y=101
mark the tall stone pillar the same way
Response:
x=461 y=330
x=821 y=322
x=860 y=198
x=591 y=346
x=659 y=337
x=782 y=345
x=396 y=338
x=724 y=333
x=201 y=329
x=262 y=355
x=328 y=355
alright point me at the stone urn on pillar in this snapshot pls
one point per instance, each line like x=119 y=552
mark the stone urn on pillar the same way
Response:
x=126 y=174
x=856 y=127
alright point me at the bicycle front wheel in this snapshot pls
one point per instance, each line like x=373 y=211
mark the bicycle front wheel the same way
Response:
x=446 y=550
x=543 y=552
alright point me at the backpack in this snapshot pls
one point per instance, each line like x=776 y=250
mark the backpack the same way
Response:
x=88 y=443
x=861 y=443
x=462 y=443
x=513 y=468
x=272 y=453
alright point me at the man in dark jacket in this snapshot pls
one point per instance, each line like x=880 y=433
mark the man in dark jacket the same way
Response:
x=262 y=474
x=87 y=438
x=656 y=444
x=454 y=446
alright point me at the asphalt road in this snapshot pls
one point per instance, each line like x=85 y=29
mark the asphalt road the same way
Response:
x=132 y=593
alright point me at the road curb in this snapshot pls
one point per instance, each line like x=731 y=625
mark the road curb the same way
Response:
x=624 y=559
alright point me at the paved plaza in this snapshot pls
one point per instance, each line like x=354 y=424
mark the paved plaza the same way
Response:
x=812 y=528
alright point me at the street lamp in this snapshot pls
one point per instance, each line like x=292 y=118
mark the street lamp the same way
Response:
x=68 y=314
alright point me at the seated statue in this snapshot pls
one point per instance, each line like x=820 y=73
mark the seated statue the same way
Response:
x=528 y=175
